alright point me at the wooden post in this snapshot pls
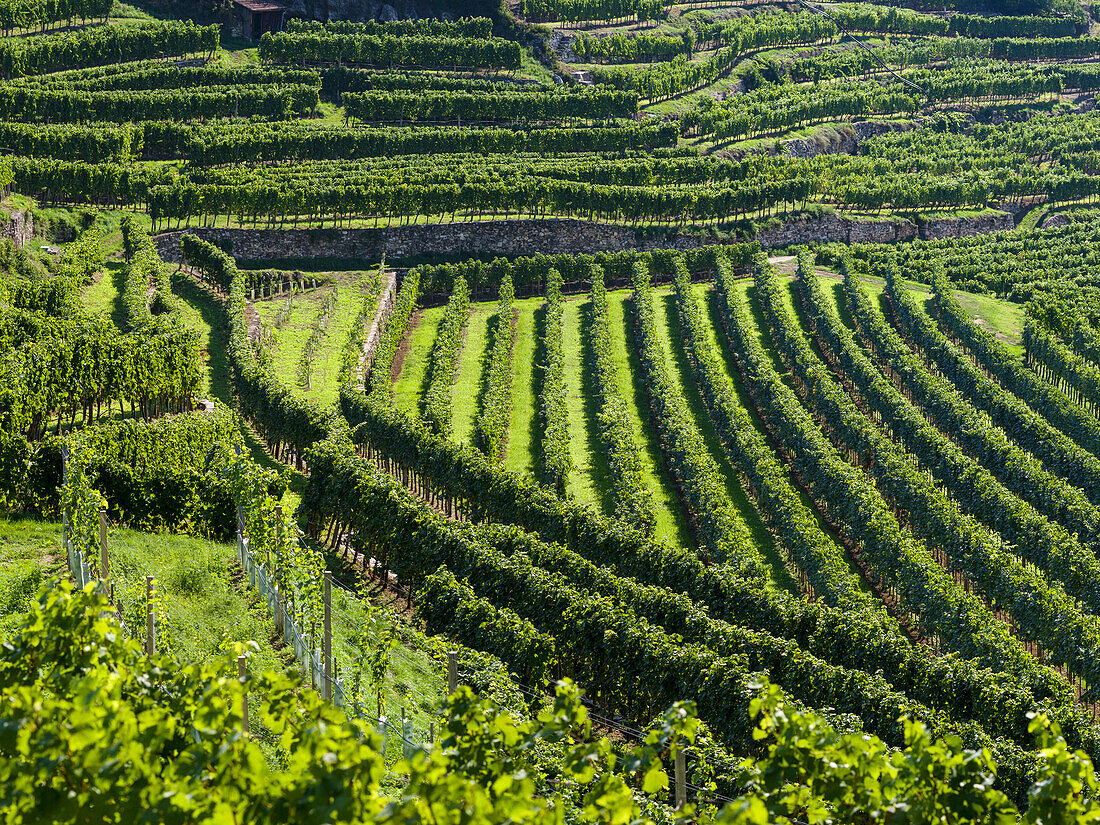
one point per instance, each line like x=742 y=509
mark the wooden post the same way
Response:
x=240 y=535
x=278 y=532
x=452 y=671
x=103 y=572
x=65 y=510
x=242 y=674
x=327 y=650
x=278 y=609
x=681 y=778
x=150 y=623
x=431 y=733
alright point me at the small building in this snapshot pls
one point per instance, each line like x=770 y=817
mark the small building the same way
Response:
x=251 y=18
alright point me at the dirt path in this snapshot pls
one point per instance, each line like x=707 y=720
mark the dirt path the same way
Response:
x=403 y=350
x=370 y=342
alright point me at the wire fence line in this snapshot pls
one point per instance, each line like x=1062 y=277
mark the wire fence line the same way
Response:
x=398 y=731
x=402 y=731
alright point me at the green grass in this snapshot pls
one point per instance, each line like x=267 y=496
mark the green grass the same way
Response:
x=1002 y=318
x=519 y=456
x=202 y=314
x=352 y=290
x=204 y=605
x=408 y=388
x=290 y=340
x=670 y=335
x=671 y=524
x=200 y=604
x=104 y=295
x=468 y=373
x=30 y=554
x=588 y=482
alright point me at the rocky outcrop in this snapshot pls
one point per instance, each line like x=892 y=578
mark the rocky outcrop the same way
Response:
x=1055 y=220
x=562 y=46
x=355 y=10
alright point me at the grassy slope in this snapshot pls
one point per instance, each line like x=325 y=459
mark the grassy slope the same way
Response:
x=468 y=374
x=199 y=603
x=104 y=295
x=290 y=340
x=205 y=316
x=519 y=453
x=204 y=604
x=325 y=375
x=676 y=360
x=29 y=554
x=409 y=387
x=201 y=314
x=705 y=292
x=414 y=681
x=670 y=518
x=588 y=481
x=1004 y=319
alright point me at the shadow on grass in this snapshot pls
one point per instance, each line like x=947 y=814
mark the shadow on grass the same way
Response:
x=492 y=330
x=598 y=467
x=217 y=364
x=538 y=379
x=758 y=531
x=116 y=272
x=650 y=437
x=217 y=346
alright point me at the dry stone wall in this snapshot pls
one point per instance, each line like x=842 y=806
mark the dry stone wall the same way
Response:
x=19 y=228
x=552 y=236
x=565 y=236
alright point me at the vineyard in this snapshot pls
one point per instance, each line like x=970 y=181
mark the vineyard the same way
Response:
x=586 y=410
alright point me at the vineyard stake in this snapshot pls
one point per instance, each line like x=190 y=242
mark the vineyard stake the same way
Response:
x=150 y=624
x=242 y=673
x=104 y=571
x=328 y=635
x=64 y=481
x=240 y=534
x=681 y=778
x=452 y=671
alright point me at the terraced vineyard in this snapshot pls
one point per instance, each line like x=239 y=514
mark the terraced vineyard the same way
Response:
x=710 y=389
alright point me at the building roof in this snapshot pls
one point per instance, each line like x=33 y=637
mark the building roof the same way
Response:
x=259 y=5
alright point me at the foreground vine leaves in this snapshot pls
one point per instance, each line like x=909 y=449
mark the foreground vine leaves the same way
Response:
x=93 y=731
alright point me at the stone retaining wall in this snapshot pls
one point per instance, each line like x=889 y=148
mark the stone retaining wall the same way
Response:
x=846 y=230
x=552 y=236
x=19 y=228
x=516 y=237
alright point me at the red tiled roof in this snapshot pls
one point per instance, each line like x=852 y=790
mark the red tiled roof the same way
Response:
x=259 y=5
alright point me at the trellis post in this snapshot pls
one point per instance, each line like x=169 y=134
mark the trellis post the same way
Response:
x=150 y=623
x=327 y=650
